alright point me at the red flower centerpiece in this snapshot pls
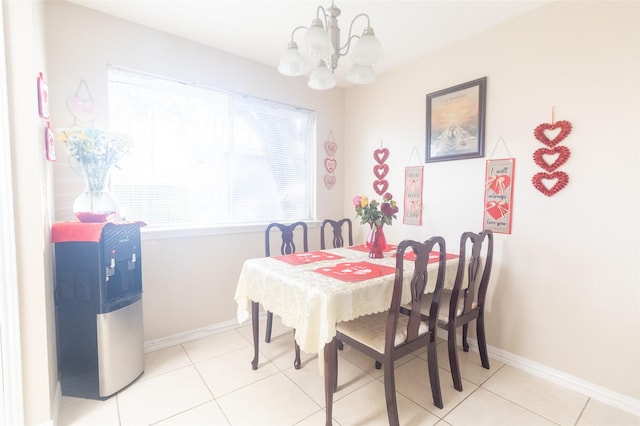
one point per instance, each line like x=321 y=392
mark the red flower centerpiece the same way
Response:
x=376 y=218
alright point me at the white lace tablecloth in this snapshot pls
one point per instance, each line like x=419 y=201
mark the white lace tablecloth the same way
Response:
x=313 y=303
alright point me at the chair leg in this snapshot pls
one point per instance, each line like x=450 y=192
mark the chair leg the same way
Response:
x=482 y=341
x=390 y=393
x=330 y=378
x=267 y=335
x=434 y=378
x=378 y=365
x=453 y=359
x=465 y=343
x=340 y=345
x=256 y=333
x=296 y=361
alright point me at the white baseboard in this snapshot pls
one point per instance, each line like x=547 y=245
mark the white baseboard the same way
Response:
x=563 y=379
x=188 y=336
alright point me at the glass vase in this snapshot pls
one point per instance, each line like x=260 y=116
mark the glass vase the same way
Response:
x=376 y=241
x=95 y=204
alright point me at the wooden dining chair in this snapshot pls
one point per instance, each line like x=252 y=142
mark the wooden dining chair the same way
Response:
x=390 y=335
x=287 y=246
x=465 y=302
x=336 y=227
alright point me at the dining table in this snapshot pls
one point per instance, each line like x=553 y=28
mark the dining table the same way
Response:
x=313 y=291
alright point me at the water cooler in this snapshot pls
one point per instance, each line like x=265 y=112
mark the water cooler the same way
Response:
x=98 y=298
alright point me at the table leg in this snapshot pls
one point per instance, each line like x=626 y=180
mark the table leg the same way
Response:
x=255 y=321
x=330 y=378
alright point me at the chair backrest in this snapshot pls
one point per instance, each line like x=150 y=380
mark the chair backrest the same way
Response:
x=419 y=280
x=479 y=259
x=288 y=245
x=336 y=226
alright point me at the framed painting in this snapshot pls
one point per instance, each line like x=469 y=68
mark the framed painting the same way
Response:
x=455 y=122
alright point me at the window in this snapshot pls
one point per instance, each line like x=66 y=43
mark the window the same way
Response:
x=203 y=157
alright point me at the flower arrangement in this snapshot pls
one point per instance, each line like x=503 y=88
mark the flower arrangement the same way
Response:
x=96 y=151
x=369 y=213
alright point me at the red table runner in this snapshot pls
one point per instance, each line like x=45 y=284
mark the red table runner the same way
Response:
x=356 y=271
x=306 y=257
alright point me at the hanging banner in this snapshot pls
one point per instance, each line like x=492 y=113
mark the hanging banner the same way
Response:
x=498 y=195
x=412 y=213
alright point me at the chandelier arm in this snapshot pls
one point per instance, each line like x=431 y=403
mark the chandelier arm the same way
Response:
x=324 y=14
x=296 y=29
x=351 y=36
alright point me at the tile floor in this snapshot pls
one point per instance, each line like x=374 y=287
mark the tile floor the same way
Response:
x=210 y=382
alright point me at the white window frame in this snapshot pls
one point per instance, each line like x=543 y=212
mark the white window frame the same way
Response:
x=187 y=229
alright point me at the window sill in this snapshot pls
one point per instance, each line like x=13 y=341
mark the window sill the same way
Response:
x=161 y=233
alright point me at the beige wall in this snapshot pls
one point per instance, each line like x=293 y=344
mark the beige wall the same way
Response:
x=32 y=203
x=188 y=282
x=566 y=287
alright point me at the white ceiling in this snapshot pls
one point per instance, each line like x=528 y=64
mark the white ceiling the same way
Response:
x=260 y=29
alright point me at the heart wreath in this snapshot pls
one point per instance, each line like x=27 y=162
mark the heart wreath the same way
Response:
x=561 y=180
x=563 y=125
x=562 y=152
x=381 y=155
x=380 y=186
x=380 y=170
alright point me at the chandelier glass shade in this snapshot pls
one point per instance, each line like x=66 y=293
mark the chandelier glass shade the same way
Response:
x=321 y=47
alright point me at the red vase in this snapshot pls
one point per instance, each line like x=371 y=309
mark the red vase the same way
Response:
x=376 y=242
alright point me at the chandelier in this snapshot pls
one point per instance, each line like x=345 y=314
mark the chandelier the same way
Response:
x=320 y=47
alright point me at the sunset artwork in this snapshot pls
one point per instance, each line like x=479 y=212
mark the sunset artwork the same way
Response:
x=455 y=122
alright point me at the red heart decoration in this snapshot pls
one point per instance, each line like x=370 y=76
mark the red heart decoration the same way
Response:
x=380 y=186
x=331 y=147
x=381 y=155
x=563 y=155
x=499 y=183
x=380 y=170
x=563 y=125
x=329 y=181
x=561 y=182
x=330 y=164
x=497 y=209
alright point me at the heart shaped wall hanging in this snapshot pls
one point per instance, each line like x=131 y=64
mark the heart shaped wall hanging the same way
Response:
x=84 y=110
x=329 y=181
x=550 y=187
x=330 y=164
x=381 y=155
x=559 y=153
x=380 y=186
x=540 y=132
x=331 y=148
x=380 y=170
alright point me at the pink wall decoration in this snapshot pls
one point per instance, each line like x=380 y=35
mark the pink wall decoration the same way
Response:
x=330 y=163
x=380 y=170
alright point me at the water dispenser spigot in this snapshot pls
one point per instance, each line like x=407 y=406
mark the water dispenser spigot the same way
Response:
x=111 y=269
